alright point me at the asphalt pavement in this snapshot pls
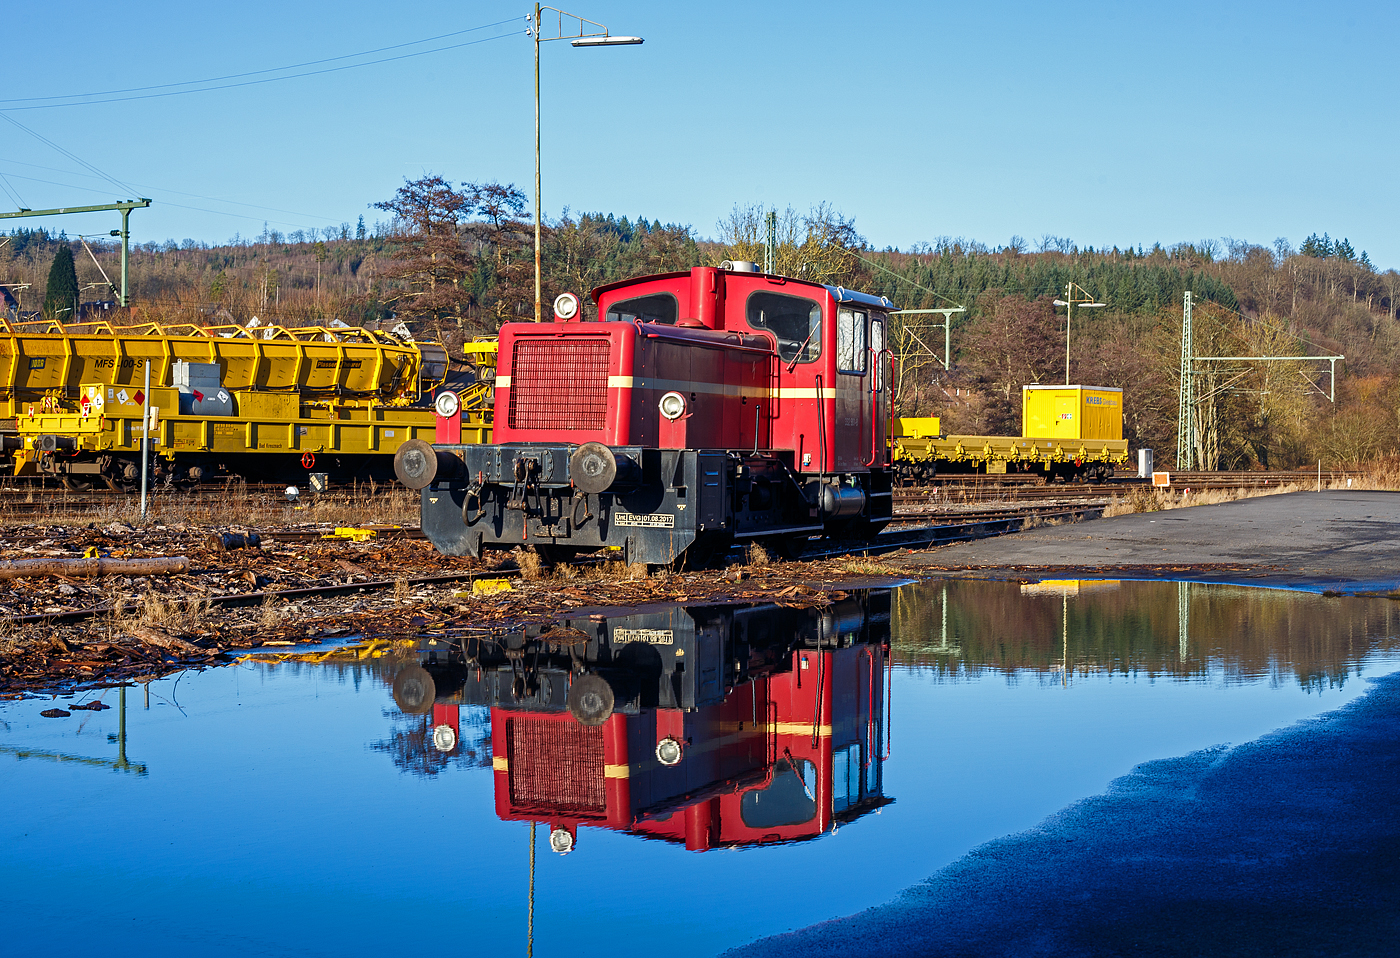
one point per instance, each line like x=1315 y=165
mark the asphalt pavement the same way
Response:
x=1345 y=541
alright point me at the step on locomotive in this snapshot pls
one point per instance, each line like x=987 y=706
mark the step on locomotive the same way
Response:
x=701 y=408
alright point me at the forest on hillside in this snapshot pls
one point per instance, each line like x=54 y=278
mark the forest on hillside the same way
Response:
x=455 y=261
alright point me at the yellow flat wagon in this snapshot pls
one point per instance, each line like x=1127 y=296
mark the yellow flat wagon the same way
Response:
x=1069 y=432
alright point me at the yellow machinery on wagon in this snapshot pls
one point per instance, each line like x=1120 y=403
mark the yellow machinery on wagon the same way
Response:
x=1068 y=432
x=45 y=359
x=265 y=402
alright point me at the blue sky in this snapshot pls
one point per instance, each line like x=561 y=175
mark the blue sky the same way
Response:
x=1111 y=123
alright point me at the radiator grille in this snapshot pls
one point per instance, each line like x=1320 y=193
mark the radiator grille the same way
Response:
x=559 y=383
x=556 y=765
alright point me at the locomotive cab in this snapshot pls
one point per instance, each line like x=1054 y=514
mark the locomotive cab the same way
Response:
x=698 y=409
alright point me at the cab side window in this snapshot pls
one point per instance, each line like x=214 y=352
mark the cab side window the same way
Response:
x=850 y=342
x=658 y=308
x=796 y=322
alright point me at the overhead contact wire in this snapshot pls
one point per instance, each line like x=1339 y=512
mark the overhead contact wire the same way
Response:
x=72 y=156
x=230 y=86
x=250 y=73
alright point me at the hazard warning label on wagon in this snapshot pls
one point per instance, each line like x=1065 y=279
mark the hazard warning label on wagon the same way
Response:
x=649 y=636
x=654 y=520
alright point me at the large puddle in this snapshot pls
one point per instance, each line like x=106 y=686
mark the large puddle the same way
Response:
x=686 y=780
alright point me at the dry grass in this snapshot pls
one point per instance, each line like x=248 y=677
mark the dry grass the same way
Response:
x=402 y=590
x=270 y=617
x=1146 y=499
x=871 y=567
x=1382 y=475
x=758 y=555
x=530 y=564
x=155 y=611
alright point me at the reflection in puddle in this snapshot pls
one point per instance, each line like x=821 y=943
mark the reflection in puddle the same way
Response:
x=1070 y=628
x=312 y=791
x=705 y=726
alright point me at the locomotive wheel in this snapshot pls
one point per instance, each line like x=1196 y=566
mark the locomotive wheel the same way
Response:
x=76 y=485
x=557 y=555
x=591 y=700
x=790 y=547
x=414 y=690
x=860 y=528
x=703 y=552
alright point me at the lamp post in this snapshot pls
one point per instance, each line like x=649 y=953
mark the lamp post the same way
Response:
x=582 y=37
x=1069 y=302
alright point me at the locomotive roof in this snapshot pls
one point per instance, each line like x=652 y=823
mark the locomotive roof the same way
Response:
x=608 y=287
x=843 y=295
x=838 y=293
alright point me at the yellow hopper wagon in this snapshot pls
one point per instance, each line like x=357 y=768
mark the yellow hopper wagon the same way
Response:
x=265 y=402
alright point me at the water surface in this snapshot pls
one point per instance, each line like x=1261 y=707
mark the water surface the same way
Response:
x=827 y=760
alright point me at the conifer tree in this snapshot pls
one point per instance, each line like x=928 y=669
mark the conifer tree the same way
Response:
x=61 y=296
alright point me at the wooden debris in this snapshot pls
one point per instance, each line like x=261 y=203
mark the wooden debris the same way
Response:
x=163 y=640
x=18 y=568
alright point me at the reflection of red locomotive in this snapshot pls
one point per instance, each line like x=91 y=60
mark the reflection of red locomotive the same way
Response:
x=708 y=406
x=715 y=726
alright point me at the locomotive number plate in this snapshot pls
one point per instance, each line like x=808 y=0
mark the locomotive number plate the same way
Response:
x=649 y=636
x=650 y=521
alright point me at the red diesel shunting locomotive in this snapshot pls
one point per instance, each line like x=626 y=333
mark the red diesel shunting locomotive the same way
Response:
x=704 y=407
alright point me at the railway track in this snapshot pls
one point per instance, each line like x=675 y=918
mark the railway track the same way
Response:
x=946 y=528
x=22 y=499
x=958 y=527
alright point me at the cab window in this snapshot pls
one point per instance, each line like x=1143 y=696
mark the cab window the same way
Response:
x=850 y=342
x=657 y=308
x=796 y=322
x=789 y=799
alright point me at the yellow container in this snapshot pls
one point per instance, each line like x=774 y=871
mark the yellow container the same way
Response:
x=1071 y=412
x=925 y=427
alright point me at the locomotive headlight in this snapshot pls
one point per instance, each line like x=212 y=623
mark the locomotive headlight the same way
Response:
x=561 y=841
x=448 y=404
x=444 y=738
x=668 y=751
x=565 y=306
x=672 y=406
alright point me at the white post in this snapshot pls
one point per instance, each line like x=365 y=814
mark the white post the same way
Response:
x=1069 y=318
x=145 y=435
